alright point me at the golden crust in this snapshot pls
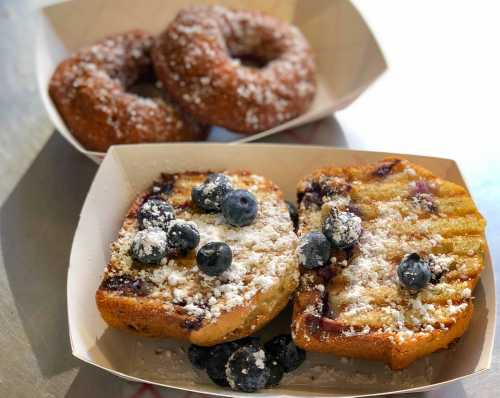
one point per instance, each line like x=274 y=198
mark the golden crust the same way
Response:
x=89 y=91
x=140 y=315
x=379 y=347
x=148 y=317
x=156 y=313
x=206 y=81
x=364 y=312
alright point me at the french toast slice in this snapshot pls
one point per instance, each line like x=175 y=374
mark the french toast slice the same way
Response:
x=355 y=305
x=175 y=299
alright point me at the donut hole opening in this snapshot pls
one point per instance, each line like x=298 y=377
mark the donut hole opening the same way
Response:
x=147 y=89
x=252 y=61
x=147 y=86
x=256 y=55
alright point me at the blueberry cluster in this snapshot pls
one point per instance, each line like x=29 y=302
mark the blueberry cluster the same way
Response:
x=216 y=194
x=247 y=365
x=239 y=208
x=340 y=230
x=160 y=234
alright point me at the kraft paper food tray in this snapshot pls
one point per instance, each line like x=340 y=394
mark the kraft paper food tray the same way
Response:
x=348 y=57
x=127 y=170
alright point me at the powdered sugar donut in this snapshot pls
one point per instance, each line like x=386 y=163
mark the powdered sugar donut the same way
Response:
x=89 y=91
x=198 y=60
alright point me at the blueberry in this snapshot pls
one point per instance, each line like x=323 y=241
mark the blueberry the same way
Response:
x=217 y=359
x=294 y=214
x=342 y=228
x=313 y=250
x=275 y=372
x=214 y=258
x=413 y=272
x=210 y=194
x=246 y=369
x=285 y=352
x=149 y=245
x=239 y=208
x=182 y=236
x=198 y=356
x=155 y=213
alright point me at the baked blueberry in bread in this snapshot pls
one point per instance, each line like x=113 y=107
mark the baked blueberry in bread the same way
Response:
x=201 y=257
x=390 y=255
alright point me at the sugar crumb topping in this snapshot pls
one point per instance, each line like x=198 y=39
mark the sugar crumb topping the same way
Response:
x=371 y=276
x=262 y=253
x=372 y=296
x=262 y=96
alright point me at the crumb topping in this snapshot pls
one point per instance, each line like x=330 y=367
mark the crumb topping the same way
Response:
x=262 y=253
x=373 y=290
x=90 y=89
x=203 y=45
x=365 y=293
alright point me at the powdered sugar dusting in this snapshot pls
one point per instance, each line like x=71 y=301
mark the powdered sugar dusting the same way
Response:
x=260 y=359
x=147 y=241
x=365 y=294
x=371 y=277
x=205 y=38
x=262 y=253
x=90 y=92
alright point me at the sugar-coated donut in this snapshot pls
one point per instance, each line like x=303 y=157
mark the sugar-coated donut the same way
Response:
x=198 y=60
x=89 y=91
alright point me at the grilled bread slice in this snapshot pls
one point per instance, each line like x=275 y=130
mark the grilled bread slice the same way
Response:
x=355 y=305
x=175 y=299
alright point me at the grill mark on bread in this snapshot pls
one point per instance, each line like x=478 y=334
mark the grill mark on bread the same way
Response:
x=365 y=295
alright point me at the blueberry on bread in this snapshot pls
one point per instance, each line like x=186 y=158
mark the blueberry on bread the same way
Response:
x=214 y=258
x=209 y=195
x=155 y=213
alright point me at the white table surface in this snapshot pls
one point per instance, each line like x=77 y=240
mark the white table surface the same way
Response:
x=441 y=97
